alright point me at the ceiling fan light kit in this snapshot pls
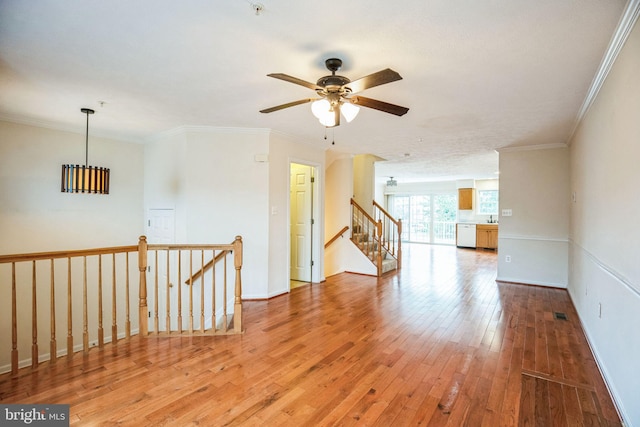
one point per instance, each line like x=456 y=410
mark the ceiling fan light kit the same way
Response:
x=335 y=94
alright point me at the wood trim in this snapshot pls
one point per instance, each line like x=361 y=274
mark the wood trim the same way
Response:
x=187 y=247
x=39 y=256
x=366 y=215
x=206 y=267
x=387 y=214
x=338 y=234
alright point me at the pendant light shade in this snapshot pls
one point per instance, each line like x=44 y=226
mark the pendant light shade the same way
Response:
x=84 y=178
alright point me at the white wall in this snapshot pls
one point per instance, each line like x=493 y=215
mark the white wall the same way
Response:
x=339 y=189
x=364 y=175
x=211 y=178
x=604 y=277
x=35 y=216
x=534 y=184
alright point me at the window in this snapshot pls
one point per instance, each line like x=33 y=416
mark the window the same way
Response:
x=487 y=202
x=426 y=218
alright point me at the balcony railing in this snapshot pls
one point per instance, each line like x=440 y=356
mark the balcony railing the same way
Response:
x=82 y=292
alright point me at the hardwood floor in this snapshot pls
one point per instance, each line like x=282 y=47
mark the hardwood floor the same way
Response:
x=439 y=343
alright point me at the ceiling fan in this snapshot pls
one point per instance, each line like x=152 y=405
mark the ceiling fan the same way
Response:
x=336 y=94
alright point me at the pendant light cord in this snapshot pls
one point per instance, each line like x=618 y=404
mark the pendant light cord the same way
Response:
x=86 y=142
x=87 y=111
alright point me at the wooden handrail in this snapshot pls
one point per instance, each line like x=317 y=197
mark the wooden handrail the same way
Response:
x=366 y=215
x=207 y=266
x=338 y=234
x=39 y=256
x=387 y=214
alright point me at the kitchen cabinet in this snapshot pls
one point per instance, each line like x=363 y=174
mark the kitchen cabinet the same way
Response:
x=465 y=199
x=487 y=236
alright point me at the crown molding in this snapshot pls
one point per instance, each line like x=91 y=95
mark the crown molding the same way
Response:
x=184 y=130
x=45 y=124
x=532 y=147
x=624 y=28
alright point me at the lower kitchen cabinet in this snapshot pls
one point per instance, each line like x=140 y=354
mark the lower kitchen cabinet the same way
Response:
x=487 y=236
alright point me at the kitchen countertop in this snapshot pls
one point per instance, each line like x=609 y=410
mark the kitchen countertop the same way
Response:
x=478 y=223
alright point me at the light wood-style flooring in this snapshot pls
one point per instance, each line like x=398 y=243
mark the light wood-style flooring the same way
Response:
x=439 y=343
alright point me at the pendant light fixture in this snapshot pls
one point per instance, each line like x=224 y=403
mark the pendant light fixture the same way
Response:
x=85 y=179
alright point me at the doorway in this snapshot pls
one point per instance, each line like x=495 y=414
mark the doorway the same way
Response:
x=302 y=180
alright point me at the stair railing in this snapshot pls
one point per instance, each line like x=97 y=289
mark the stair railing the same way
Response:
x=336 y=236
x=366 y=233
x=391 y=232
x=179 y=304
x=81 y=291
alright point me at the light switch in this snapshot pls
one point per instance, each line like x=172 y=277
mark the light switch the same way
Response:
x=507 y=212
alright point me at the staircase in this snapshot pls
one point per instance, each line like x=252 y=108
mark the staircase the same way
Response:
x=372 y=238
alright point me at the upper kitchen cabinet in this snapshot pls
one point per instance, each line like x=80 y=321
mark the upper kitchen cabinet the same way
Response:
x=465 y=199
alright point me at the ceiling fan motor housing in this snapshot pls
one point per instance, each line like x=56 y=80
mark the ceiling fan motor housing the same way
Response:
x=332 y=83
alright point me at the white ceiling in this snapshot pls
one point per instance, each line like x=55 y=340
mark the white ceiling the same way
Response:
x=478 y=75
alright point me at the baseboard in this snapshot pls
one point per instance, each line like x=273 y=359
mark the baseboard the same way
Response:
x=603 y=372
x=529 y=282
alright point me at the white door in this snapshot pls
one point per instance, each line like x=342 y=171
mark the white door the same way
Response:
x=301 y=221
x=161 y=230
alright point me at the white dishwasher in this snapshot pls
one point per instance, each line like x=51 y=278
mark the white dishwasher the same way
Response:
x=466 y=235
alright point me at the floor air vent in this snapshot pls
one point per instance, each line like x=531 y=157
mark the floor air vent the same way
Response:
x=560 y=316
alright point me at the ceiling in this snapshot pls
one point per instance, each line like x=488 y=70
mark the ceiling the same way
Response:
x=478 y=75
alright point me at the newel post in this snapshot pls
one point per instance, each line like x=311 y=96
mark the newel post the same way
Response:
x=399 y=243
x=142 y=267
x=237 y=261
x=379 y=241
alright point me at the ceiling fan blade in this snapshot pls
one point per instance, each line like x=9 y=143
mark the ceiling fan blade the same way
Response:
x=291 y=79
x=287 y=105
x=379 y=105
x=372 y=80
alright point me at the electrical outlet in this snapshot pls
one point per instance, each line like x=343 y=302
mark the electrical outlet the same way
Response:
x=507 y=258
